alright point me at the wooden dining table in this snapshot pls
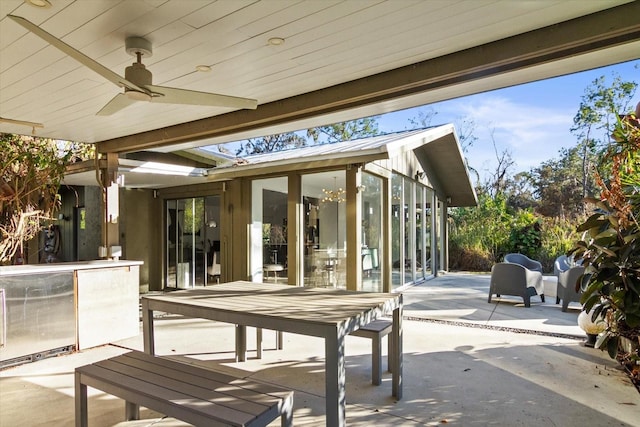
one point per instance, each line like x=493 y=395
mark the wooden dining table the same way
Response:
x=327 y=313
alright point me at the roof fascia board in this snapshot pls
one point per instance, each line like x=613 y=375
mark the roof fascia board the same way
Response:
x=400 y=146
x=288 y=166
x=452 y=174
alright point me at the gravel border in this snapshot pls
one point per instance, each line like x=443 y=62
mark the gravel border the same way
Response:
x=495 y=328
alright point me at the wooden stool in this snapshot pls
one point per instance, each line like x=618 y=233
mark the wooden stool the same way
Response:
x=259 y=342
x=375 y=331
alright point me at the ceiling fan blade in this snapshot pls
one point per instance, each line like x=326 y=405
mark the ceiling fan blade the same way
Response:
x=192 y=97
x=75 y=54
x=116 y=104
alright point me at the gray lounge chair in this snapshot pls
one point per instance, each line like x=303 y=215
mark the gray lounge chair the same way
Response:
x=514 y=279
x=562 y=263
x=524 y=261
x=566 y=290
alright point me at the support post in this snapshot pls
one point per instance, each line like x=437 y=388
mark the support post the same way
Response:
x=110 y=201
x=354 y=229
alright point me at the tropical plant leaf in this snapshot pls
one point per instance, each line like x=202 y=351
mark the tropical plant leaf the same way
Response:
x=602 y=339
x=594 y=221
x=612 y=346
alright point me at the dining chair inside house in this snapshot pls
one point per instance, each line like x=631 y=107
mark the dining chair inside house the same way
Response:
x=214 y=269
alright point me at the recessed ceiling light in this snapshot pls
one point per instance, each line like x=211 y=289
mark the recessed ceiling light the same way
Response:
x=275 y=41
x=42 y=4
x=203 y=68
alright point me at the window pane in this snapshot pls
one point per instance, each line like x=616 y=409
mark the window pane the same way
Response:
x=186 y=248
x=212 y=239
x=420 y=244
x=371 y=233
x=409 y=234
x=397 y=238
x=324 y=199
x=427 y=229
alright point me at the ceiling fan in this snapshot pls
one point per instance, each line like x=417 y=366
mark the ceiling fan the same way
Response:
x=32 y=125
x=137 y=81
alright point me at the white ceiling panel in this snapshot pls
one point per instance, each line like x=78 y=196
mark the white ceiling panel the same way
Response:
x=327 y=43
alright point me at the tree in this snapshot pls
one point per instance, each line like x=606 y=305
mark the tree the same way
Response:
x=519 y=192
x=499 y=180
x=344 y=131
x=30 y=173
x=423 y=119
x=336 y=132
x=596 y=118
x=270 y=143
x=558 y=186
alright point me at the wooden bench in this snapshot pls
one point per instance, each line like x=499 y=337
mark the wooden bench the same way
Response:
x=375 y=331
x=189 y=393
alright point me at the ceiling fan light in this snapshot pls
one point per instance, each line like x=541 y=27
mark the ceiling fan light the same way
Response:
x=42 y=4
x=137 y=96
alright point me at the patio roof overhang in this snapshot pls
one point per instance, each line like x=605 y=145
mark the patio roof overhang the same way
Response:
x=420 y=53
x=138 y=174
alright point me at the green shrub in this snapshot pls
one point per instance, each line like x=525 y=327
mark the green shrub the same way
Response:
x=559 y=235
x=481 y=230
x=525 y=234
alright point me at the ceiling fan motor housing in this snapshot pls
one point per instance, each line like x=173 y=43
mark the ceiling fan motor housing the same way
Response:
x=135 y=45
x=137 y=73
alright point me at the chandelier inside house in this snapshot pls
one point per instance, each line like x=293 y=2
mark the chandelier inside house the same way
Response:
x=335 y=195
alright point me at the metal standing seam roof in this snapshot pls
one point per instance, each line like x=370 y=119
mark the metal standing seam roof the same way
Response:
x=380 y=144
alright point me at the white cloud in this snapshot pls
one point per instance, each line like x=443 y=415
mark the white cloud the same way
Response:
x=530 y=133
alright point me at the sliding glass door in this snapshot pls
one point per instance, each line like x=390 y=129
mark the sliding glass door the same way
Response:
x=269 y=250
x=325 y=237
x=192 y=242
x=412 y=231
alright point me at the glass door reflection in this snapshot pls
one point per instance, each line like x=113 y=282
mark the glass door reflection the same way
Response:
x=192 y=242
x=324 y=200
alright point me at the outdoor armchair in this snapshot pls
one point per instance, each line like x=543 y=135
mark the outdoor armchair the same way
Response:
x=514 y=279
x=524 y=261
x=566 y=290
x=561 y=264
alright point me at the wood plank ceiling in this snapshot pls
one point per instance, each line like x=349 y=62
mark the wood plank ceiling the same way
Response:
x=339 y=60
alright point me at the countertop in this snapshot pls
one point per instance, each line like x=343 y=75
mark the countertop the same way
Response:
x=15 y=270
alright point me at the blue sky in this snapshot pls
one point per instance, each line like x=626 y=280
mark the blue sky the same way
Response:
x=531 y=121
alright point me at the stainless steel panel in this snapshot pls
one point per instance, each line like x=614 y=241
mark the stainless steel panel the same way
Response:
x=38 y=314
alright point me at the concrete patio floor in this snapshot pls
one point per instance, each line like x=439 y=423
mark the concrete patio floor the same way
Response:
x=466 y=362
